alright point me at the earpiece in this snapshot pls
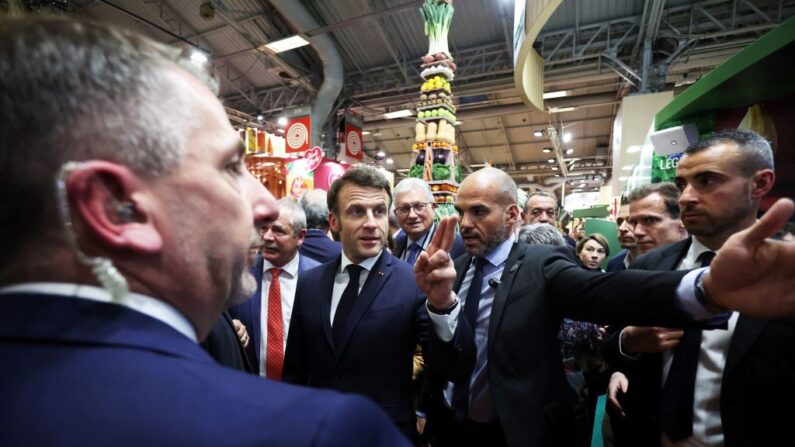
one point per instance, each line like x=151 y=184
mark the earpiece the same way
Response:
x=125 y=211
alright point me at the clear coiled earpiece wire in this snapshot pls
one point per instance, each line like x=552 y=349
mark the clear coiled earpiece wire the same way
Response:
x=103 y=269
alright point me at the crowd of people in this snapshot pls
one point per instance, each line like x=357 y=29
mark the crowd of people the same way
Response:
x=132 y=233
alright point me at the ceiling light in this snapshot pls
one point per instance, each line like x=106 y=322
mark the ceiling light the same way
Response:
x=377 y=134
x=458 y=123
x=282 y=121
x=558 y=94
x=398 y=114
x=260 y=117
x=380 y=154
x=538 y=133
x=557 y=175
x=551 y=160
x=554 y=167
x=198 y=56
x=633 y=149
x=287 y=44
x=628 y=167
x=569 y=151
x=389 y=161
x=365 y=132
x=566 y=137
x=546 y=150
x=561 y=109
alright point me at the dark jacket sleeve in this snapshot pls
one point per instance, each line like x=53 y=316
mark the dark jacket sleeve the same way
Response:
x=296 y=366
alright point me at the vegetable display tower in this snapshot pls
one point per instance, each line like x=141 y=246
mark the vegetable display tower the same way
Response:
x=434 y=153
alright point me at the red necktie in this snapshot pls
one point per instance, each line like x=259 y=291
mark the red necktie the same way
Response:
x=274 y=357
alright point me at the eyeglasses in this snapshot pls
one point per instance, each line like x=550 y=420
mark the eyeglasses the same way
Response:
x=535 y=212
x=406 y=209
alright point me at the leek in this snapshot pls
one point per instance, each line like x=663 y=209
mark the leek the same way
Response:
x=437 y=16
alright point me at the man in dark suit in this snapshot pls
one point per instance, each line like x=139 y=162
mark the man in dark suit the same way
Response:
x=629 y=248
x=499 y=349
x=735 y=374
x=317 y=244
x=267 y=314
x=414 y=209
x=146 y=238
x=357 y=319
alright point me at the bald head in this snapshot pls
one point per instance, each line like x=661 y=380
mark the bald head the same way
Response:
x=499 y=182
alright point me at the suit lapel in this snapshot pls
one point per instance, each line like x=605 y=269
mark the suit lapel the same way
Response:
x=461 y=266
x=400 y=245
x=673 y=254
x=329 y=272
x=744 y=335
x=378 y=276
x=255 y=307
x=509 y=272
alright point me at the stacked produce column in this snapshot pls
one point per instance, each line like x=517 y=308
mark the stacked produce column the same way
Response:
x=435 y=153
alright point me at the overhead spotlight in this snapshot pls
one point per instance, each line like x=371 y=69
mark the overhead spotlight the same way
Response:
x=538 y=133
x=260 y=117
x=198 y=56
x=551 y=160
x=546 y=150
x=389 y=161
x=569 y=151
x=380 y=154
x=566 y=137
x=282 y=121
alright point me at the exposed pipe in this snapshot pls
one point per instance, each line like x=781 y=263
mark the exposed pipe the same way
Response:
x=333 y=76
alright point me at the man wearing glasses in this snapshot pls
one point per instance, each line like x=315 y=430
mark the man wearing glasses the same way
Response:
x=414 y=208
x=541 y=207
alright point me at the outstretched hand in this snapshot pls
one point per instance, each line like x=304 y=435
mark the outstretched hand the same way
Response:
x=434 y=270
x=755 y=275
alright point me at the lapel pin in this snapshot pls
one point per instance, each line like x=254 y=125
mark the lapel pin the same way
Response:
x=515 y=267
x=380 y=273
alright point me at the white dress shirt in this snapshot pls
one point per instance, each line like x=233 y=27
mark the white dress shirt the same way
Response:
x=153 y=307
x=707 y=427
x=341 y=279
x=288 y=280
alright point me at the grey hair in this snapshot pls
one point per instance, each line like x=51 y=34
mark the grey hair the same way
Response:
x=667 y=190
x=313 y=201
x=411 y=184
x=75 y=91
x=541 y=194
x=297 y=216
x=361 y=175
x=755 y=151
x=541 y=234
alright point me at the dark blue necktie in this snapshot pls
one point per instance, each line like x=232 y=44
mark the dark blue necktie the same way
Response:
x=461 y=390
x=680 y=385
x=414 y=251
x=346 y=304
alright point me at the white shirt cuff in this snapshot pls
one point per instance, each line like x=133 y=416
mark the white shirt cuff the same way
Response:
x=444 y=325
x=687 y=301
x=621 y=346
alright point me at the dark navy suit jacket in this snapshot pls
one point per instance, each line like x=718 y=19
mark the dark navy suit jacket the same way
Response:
x=760 y=366
x=616 y=263
x=402 y=238
x=77 y=372
x=387 y=321
x=249 y=312
x=319 y=247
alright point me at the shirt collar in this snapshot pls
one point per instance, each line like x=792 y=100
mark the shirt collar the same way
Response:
x=153 y=307
x=291 y=268
x=696 y=249
x=422 y=238
x=367 y=264
x=499 y=255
